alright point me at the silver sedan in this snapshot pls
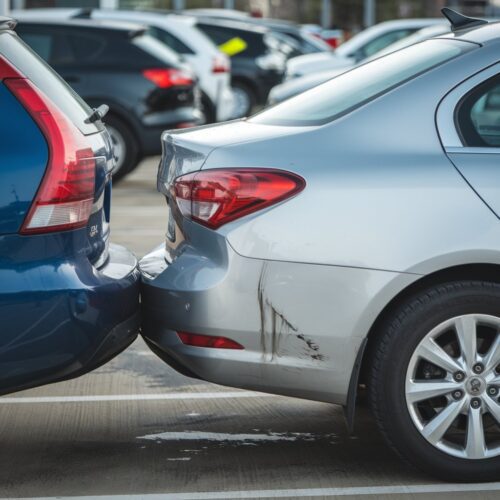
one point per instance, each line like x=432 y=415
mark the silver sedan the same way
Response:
x=345 y=240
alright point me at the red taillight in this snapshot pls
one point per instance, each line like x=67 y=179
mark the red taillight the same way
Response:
x=221 y=64
x=185 y=125
x=196 y=340
x=65 y=196
x=7 y=70
x=165 y=78
x=215 y=197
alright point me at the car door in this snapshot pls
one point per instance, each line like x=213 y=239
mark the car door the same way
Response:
x=469 y=126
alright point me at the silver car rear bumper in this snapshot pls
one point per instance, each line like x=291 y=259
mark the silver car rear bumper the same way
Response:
x=301 y=325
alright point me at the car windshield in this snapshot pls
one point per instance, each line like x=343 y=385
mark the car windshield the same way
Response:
x=351 y=90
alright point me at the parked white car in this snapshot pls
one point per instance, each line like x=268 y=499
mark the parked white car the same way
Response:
x=296 y=86
x=359 y=47
x=212 y=67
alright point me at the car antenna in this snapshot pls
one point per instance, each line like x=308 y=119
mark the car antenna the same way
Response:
x=459 y=21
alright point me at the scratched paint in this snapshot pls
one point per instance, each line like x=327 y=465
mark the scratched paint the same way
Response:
x=275 y=327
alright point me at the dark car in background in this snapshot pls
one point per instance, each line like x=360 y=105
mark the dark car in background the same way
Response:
x=69 y=300
x=146 y=85
x=258 y=58
x=306 y=42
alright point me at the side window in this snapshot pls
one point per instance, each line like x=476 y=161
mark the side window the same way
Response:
x=381 y=42
x=51 y=47
x=42 y=44
x=170 y=40
x=217 y=35
x=478 y=115
x=85 y=48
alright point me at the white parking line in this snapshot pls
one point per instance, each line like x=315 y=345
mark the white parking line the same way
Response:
x=298 y=493
x=133 y=397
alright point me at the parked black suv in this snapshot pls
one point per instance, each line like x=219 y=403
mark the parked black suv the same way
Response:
x=257 y=63
x=146 y=86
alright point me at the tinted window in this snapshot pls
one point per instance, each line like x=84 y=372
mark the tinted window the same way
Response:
x=47 y=80
x=51 y=47
x=85 y=47
x=351 y=90
x=478 y=115
x=157 y=50
x=170 y=40
x=42 y=44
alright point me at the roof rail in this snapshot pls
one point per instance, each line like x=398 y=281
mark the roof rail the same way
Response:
x=84 y=13
x=7 y=23
x=459 y=21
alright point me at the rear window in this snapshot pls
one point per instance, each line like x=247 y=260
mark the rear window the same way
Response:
x=157 y=49
x=47 y=80
x=169 y=40
x=359 y=86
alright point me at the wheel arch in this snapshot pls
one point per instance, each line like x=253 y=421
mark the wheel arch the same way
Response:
x=482 y=272
x=360 y=371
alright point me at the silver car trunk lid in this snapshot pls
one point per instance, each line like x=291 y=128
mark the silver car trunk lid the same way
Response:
x=186 y=151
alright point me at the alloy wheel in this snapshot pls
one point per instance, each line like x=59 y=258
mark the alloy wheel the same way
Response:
x=453 y=386
x=242 y=102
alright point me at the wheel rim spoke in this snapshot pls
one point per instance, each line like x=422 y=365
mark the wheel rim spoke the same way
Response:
x=419 y=391
x=432 y=352
x=493 y=408
x=438 y=426
x=475 y=446
x=465 y=327
x=492 y=358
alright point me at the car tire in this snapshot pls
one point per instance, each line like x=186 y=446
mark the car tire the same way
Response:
x=244 y=99
x=207 y=111
x=444 y=316
x=126 y=147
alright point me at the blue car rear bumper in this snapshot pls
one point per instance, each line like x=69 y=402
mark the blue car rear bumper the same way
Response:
x=62 y=317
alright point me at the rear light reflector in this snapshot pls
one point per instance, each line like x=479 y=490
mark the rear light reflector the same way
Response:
x=221 y=64
x=65 y=197
x=186 y=125
x=209 y=341
x=165 y=78
x=216 y=197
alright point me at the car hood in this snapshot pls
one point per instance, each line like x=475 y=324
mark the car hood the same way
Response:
x=310 y=63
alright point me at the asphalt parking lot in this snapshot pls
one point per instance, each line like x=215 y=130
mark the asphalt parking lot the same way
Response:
x=136 y=428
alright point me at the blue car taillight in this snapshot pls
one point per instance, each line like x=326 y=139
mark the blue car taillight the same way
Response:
x=66 y=194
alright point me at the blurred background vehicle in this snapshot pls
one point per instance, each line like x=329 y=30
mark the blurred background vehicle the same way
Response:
x=358 y=48
x=306 y=42
x=258 y=59
x=212 y=67
x=147 y=86
x=295 y=86
x=69 y=300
